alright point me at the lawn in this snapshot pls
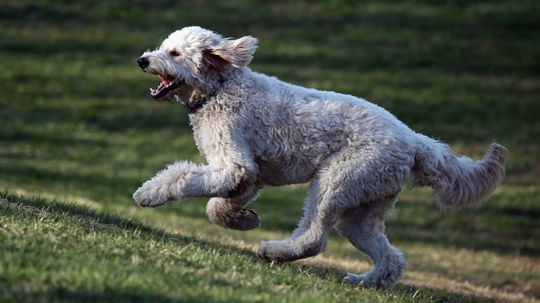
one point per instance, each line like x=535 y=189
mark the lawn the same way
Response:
x=79 y=133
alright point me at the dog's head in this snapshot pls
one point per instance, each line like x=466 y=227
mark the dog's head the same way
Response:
x=194 y=58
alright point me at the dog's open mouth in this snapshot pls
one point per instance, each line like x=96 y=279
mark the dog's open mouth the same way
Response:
x=165 y=86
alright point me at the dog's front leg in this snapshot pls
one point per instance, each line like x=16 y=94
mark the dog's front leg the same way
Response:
x=184 y=179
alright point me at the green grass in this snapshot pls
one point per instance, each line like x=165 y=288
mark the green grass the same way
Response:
x=79 y=134
x=132 y=261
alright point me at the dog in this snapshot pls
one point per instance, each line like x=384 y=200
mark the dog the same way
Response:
x=255 y=130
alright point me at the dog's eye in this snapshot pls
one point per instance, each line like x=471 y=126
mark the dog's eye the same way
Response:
x=174 y=53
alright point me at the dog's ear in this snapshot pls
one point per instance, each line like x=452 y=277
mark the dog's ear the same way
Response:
x=238 y=52
x=212 y=61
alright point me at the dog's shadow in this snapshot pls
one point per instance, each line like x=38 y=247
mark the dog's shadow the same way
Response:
x=83 y=214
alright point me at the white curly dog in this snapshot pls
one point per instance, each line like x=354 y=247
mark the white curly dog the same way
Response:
x=256 y=130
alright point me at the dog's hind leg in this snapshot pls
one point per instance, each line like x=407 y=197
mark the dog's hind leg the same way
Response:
x=330 y=191
x=345 y=181
x=230 y=212
x=364 y=227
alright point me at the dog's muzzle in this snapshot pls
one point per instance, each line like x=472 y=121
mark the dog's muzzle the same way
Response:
x=166 y=84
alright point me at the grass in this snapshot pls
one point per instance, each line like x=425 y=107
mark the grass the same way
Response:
x=79 y=134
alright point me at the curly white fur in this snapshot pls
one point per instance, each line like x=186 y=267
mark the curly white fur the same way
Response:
x=256 y=130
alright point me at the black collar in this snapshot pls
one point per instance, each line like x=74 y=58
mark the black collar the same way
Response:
x=195 y=106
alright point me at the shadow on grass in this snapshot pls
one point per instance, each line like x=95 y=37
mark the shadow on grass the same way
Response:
x=135 y=295
x=111 y=295
x=81 y=214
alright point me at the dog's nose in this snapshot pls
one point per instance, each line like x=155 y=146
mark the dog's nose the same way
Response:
x=143 y=62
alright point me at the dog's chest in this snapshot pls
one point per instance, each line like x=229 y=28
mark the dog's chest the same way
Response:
x=211 y=132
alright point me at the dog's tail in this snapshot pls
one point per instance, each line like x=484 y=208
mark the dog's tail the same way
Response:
x=457 y=181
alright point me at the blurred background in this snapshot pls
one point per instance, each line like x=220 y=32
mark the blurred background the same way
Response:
x=77 y=123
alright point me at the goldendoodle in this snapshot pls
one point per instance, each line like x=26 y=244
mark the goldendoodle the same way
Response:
x=256 y=130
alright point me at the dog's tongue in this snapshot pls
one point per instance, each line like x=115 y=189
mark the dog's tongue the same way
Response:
x=164 y=80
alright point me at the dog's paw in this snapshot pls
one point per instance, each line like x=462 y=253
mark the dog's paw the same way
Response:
x=149 y=195
x=276 y=250
x=245 y=219
x=224 y=214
